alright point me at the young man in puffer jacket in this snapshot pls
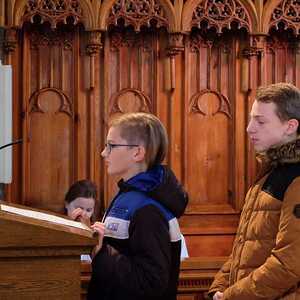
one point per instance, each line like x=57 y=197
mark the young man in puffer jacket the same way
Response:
x=265 y=259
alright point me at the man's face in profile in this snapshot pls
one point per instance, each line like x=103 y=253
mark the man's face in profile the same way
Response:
x=265 y=128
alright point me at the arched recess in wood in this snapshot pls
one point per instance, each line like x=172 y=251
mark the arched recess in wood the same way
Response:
x=18 y=9
x=275 y=12
x=173 y=25
x=251 y=15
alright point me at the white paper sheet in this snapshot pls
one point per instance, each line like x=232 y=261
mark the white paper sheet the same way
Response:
x=42 y=216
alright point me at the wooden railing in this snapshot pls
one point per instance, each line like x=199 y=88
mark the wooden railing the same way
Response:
x=196 y=275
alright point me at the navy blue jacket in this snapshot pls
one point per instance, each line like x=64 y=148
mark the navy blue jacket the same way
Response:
x=140 y=257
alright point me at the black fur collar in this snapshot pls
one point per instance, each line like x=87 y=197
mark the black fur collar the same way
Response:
x=287 y=153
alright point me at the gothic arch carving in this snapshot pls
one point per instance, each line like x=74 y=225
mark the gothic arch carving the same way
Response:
x=166 y=6
x=241 y=11
x=65 y=103
x=141 y=102
x=281 y=11
x=87 y=17
x=223 y=105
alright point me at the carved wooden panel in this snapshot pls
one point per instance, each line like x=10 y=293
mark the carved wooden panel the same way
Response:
x=282 y=59
x=286 y=15
x=138 y=14
x=49 y=116
x=195 y=64
x=210 y=123
x=130 y=67
x=54 y=12
x=220 y=14
x=1 y=44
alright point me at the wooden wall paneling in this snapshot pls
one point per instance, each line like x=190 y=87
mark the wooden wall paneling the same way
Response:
x=255 y=55
x=162 y=88
x=209 y=114
x=131 y=86
x=80 y=108
x=95 y=130
x=2 y=13
x=270 y=64
x=290 y=56
x=108 y=67
x=199 y=83
x=210 y=67
x=1 y=44
x=239 y=129
x=209 y=234
x=175 y=108
x=297 y=63
x=281 y=58
x=25 y=111
x=48 y=105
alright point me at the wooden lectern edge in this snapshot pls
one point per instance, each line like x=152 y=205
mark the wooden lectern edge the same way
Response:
x=47 y=224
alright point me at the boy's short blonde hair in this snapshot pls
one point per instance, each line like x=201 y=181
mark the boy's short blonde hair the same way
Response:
x=145 y=129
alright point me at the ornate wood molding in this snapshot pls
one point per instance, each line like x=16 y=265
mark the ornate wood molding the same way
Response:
x=94 y=44
x=54 y=12
x=65 y=105
x=224 y=104
x=221 y=14
x=93 y=47
x=138 y=13
x=129 y=39
x=51 y=38
x=254 y=50
x=287 y=14
x=256 y=47
x=176 y=46
x=10 y=40
x=143 y=103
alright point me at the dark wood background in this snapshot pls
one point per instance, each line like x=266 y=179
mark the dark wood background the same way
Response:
x=195 y=64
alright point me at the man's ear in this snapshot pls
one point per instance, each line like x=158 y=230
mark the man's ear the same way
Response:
x=293 y=125
x=140 y=153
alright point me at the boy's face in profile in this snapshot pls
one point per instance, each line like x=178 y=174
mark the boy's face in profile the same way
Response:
x=265 y=128
x=121 y=160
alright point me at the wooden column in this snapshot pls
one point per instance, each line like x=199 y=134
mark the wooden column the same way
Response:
x=92 y=49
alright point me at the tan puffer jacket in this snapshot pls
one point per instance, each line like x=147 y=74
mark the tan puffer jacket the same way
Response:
x=265 y=259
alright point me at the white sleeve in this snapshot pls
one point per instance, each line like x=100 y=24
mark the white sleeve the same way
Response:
x=184 y=251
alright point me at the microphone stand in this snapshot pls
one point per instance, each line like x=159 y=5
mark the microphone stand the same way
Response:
x=19 y=141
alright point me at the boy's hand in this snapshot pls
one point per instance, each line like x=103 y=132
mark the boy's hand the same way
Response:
x=100 y=228
x=218 y=296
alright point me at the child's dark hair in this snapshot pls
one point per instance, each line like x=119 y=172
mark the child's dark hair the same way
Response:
x=82 y=188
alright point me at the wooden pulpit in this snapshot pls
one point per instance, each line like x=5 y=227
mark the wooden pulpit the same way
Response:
x=40 y=254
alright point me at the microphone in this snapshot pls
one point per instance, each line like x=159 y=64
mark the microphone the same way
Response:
x=19 y=141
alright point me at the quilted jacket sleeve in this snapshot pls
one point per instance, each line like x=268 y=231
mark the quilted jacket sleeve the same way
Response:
x=221 y=280
x=281 y=271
